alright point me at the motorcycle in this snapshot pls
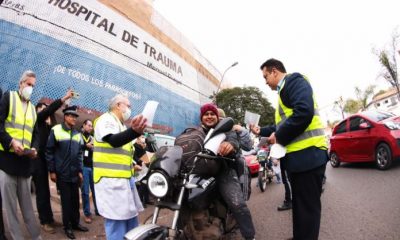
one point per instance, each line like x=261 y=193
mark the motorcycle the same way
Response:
x=199 y=212
x=265 y=173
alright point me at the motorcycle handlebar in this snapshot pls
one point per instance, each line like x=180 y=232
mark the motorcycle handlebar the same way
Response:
x=203 y=155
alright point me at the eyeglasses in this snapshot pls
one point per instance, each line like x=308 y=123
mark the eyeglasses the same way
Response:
x=128 y=105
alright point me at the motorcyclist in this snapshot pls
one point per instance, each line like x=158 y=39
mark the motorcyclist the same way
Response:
x=227 y=179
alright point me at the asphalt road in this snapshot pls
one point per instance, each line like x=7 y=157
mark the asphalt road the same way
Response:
x=359 y=202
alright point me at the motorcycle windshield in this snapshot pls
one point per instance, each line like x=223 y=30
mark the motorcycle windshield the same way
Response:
x=168 y=158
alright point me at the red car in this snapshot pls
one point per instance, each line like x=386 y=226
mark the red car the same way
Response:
x=252 y=162
x=370 y=136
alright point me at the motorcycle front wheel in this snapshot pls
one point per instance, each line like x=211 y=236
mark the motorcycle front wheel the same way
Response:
x=147 y=232
x=262 y=180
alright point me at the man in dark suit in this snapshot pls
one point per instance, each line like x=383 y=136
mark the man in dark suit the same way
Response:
x=299 y=128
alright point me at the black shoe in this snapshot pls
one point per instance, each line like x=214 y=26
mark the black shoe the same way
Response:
x=69 y=233
x=285 y=206
x=80 y=228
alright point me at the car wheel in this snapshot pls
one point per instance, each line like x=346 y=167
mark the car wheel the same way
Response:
x=334 y=160
x=383 y=156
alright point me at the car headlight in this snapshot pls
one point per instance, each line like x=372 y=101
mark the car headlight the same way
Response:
x=158 y=184
x=392 y=125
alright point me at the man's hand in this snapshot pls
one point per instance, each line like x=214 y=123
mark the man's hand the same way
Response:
x=53 y=177
x=89 y=145
x=80 y=180
x=139 y=123
x=137 y=168
x=255 y=129
x=32 y=153
x=17 y=147
x=225 y=149
x=67 y=96
x=272 y=138
x=237 y=128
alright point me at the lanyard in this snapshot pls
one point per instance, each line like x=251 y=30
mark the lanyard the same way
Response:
x=86 y=139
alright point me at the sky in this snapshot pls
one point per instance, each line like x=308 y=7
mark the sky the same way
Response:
x=331 y=42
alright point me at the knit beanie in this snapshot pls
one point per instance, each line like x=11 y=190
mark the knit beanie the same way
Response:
x=208 y=107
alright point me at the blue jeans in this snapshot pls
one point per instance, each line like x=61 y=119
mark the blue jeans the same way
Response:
x=88 y=183
x=116 y=229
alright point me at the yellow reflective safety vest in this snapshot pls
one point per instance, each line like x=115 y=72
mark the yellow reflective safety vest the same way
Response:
x=314 y=135
x=111 y=162
x=61 y=135
x=19 y=122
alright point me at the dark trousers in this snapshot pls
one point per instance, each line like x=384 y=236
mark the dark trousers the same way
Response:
x=2 y=234
x=69 y=193
x=286 y=183
x=231 y=192
x=41 y=179
x=306 y=200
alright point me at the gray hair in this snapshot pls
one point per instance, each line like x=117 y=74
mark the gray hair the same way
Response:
x=115 y=100
x=27 y=74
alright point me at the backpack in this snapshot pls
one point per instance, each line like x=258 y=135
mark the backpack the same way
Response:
x=191 y=141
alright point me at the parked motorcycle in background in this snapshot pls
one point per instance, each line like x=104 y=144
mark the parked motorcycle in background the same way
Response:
x=266 y=173
x=199 y=211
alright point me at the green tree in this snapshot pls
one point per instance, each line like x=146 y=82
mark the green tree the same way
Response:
x=352 y=106
x=364 y=95
x=235 y=101
x=387 y=58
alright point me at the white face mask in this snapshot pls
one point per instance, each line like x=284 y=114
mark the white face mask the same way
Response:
x=27 y=93
x=126 y=114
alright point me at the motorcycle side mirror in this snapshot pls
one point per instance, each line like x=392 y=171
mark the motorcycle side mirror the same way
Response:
x=225 y=125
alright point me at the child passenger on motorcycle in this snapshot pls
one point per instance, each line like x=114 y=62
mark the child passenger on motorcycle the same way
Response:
x=227 y=179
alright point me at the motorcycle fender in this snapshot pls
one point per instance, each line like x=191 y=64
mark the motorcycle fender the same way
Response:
x=147 y=231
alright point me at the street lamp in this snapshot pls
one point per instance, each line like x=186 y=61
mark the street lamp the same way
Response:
x=222 y=78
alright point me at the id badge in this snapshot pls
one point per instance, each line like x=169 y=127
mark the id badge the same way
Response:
x=86 y=153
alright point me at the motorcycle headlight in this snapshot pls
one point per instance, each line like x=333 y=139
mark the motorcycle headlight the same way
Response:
x=158 y=184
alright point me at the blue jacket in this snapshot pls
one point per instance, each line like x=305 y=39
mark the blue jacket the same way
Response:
x=64 y=157
x=298 y=95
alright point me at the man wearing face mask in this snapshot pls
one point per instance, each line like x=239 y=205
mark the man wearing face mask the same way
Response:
x=17 y=119
x=116 y=195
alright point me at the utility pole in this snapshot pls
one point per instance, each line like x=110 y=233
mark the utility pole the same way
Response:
x=220 y=82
